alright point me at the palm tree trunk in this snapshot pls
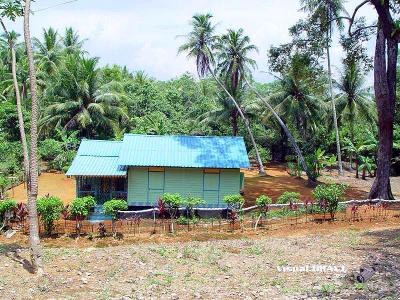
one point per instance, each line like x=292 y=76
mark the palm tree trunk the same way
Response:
x=261 y=170
x=35 y=248
x=234 y=123
x=19 y=105
x=339 y=155
x=310 y=177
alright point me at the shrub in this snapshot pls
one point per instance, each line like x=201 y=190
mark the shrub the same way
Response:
x=265 y=154
x=263 y=201
x=172 y=203
x=190 y=203
x=234 y=201
x=6 y=206
x=4 y=184
x=49 y=208
x=80 y=207
x=112 y=207
x=294 y=169
x=235 y=205
x=49 y=149
x=63 y=161
x=328 y=196
x=289 y=197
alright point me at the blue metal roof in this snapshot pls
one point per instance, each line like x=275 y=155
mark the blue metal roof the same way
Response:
x=183 y=151
x=97 y=158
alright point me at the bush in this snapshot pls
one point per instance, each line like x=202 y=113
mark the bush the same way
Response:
x=265 y=154
x=81 y=207
x=329 y=196
x=6 y=206
x=288 y=197
x=263 y=201
x=172 y=202
x=112 y=207
x=190 y=203
x=49 y=208
x=63 y=161
x=4 y=184
x=234 y=201
x=49 y=149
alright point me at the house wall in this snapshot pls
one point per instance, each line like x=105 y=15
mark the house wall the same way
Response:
x=145 y=185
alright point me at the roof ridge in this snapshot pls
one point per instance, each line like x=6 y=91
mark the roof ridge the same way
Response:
x=176 y=135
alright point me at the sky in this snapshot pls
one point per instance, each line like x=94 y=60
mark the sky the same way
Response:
x=144 y=35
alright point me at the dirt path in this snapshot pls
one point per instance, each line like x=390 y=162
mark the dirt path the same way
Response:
x=245 y=268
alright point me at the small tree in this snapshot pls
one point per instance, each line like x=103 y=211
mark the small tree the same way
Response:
x=80 y=209
x=289 y=197
x=328 y=196
x=4 y=185
x=235 y=207
x=112 y=207
x=190 y=203
x=172 y=202
x=49 y=209
x=262 y=202
x=6 y=206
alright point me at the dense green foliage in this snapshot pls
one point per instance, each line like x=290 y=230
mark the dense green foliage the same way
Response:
x=289 y=197
x=6 y=206
x=329 y=196
x=49 y=209
x=80 y=207
x=112 y=207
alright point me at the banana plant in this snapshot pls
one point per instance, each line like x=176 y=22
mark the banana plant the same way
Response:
x=366 y=164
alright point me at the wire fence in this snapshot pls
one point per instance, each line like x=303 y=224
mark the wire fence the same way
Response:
x=279 y=216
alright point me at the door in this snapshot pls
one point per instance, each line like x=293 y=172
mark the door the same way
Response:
x=156 y=186
x=104 y=190
x=211 y=189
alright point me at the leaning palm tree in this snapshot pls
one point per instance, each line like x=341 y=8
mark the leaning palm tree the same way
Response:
x=79 y=101
x=354 y=101
x=328 y=14
x=200 y=44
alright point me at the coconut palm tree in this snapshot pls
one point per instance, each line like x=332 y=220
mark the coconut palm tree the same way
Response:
x=71 y=42
x=328 y=14
x=199 y=45
x=34 y=240
x=353 y=102
x=232 y=52
x=78 y=100
x=226 y=110
x=293 y=98
x=48 y=52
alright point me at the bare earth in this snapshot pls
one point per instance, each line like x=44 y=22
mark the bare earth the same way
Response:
x=244 y=268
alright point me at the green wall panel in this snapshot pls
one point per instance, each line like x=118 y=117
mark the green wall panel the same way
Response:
x=211 y=182
x=230 y=183
x=137 y=186
x=156 y=180
x=145 y=187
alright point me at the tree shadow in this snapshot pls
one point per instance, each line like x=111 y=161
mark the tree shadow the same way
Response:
x=12 y=251
x=384 y=256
